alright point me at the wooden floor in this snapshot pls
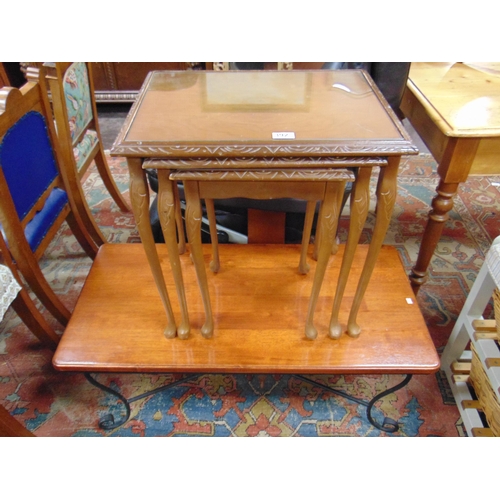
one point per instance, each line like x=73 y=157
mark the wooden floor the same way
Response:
x=260 y=304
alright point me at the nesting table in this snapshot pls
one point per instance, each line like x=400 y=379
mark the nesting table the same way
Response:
x=264 y=134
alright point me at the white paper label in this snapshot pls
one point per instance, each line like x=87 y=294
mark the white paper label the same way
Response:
x=283 y=135
x=409 y=301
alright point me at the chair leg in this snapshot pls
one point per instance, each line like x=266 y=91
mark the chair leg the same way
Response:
x=36 y=280
x=23 y=305
x=84 y=224
x=109 y=182
x=89 y=245
x=33 y=319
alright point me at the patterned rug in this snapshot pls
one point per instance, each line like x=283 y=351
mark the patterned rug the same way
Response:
x=50 y=403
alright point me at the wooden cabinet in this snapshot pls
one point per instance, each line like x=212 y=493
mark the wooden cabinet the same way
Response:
x=11 y=75
x=4 y=80
x=121 y=81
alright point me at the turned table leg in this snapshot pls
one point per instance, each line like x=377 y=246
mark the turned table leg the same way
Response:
x=453 y=168
x=139 y=195
x=441 y=206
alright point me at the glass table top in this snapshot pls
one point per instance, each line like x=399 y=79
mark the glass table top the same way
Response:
x=257 y=107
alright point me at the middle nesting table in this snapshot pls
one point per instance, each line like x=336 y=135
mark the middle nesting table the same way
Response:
x=320 y=180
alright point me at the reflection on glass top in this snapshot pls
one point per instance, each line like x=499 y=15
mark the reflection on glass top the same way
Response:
x=465 y=95
x=195 y=106
x=244 y=92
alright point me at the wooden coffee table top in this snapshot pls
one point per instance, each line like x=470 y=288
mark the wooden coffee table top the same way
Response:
x=260 y=303
x=463 y=99
x=239 y=113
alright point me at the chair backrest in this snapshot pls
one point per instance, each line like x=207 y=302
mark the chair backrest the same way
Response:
x=75 y=114
x=29 y=174
x=76 y=85
x=35 y=196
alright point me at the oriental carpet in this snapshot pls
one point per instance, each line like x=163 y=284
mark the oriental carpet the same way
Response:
x=50 y=403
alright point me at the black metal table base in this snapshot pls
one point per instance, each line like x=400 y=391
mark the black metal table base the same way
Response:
x=108 y=422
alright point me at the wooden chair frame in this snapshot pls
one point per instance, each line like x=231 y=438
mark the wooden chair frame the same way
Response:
x=14 y=104
x=55 y=74
x=24 y=306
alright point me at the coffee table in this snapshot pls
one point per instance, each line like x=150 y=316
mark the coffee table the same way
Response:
x=455 y=108
x=117 y=323
x=265 y=122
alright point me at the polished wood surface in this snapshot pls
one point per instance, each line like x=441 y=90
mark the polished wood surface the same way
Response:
x=455 y=108
x=457 y=100
x=118 y=322
x=267 y=227
x=463 y=99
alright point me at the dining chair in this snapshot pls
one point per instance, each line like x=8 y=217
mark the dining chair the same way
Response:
x=35 y=195
x=75 y=114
